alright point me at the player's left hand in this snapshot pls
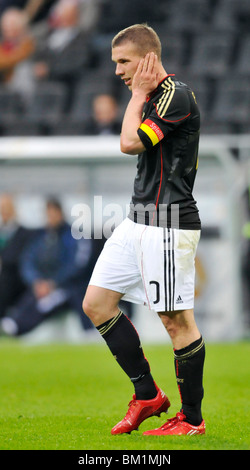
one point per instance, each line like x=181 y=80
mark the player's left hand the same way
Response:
x=146 y=76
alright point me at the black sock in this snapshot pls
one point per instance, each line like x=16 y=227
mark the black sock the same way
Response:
x=124 y=343
x=189 y=363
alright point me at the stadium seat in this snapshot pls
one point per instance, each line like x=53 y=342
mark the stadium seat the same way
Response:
x=233 y=101
x=228 y=14
x=102 y=46
x=212 y=54
x=10 y=104
x=20 y=127
x=115 y=15
x=245 y=128
x=189 y=15
x=215 y=128
x=82 y=104
x=224 y=18
x=173 y=52
x=243 y=59
x=47 y=104
x=68 y=126
x=92 y=84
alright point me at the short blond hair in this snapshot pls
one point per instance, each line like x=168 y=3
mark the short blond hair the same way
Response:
x=142 y=36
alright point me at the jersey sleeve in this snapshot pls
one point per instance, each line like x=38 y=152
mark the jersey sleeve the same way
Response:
x=168 y=112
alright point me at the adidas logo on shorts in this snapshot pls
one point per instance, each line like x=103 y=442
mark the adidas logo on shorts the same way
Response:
x=179 y=300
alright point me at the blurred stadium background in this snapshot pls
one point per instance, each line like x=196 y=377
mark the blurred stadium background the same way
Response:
x=46 y=146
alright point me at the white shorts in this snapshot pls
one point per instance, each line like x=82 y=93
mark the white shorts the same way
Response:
x=153 y=266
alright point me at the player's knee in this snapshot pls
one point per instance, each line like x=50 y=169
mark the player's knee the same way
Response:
x=93 y=310
x=179 y=324
x=100 y=305
x=170 y=324
x=88 y=307
x=172 y=330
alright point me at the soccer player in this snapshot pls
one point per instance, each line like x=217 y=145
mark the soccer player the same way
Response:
x=150 y=256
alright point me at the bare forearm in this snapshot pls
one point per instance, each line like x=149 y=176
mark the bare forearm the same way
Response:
x=130 y=141
x=33 y=7
x=144 y=82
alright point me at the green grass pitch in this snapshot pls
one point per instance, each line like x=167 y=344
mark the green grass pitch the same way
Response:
x=62 y=397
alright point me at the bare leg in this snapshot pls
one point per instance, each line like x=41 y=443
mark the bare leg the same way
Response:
x=100 y=304
x=181 y=327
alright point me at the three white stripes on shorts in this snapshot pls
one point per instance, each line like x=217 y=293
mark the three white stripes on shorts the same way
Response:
x=169 y=268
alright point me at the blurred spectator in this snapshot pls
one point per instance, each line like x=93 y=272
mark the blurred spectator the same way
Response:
x=105 y=118
x=67 y=51
x=32 y=8
x=38 y=10
x=16 y=49
x=56 y=269
x=89 y=14
x=35 y=11
x=13 y=239
x=115 y=15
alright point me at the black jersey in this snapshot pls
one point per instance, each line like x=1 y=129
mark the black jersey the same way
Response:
x=166 y=170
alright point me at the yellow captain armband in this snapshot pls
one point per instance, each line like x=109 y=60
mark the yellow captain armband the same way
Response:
x=152 y=130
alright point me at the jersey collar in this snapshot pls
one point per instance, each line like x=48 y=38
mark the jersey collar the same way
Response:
x=153 y=92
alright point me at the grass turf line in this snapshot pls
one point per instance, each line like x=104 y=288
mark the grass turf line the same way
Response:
x=60 y=397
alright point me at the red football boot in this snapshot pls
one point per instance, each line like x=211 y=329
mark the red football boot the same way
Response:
x=177 y=426
x=139 y=410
